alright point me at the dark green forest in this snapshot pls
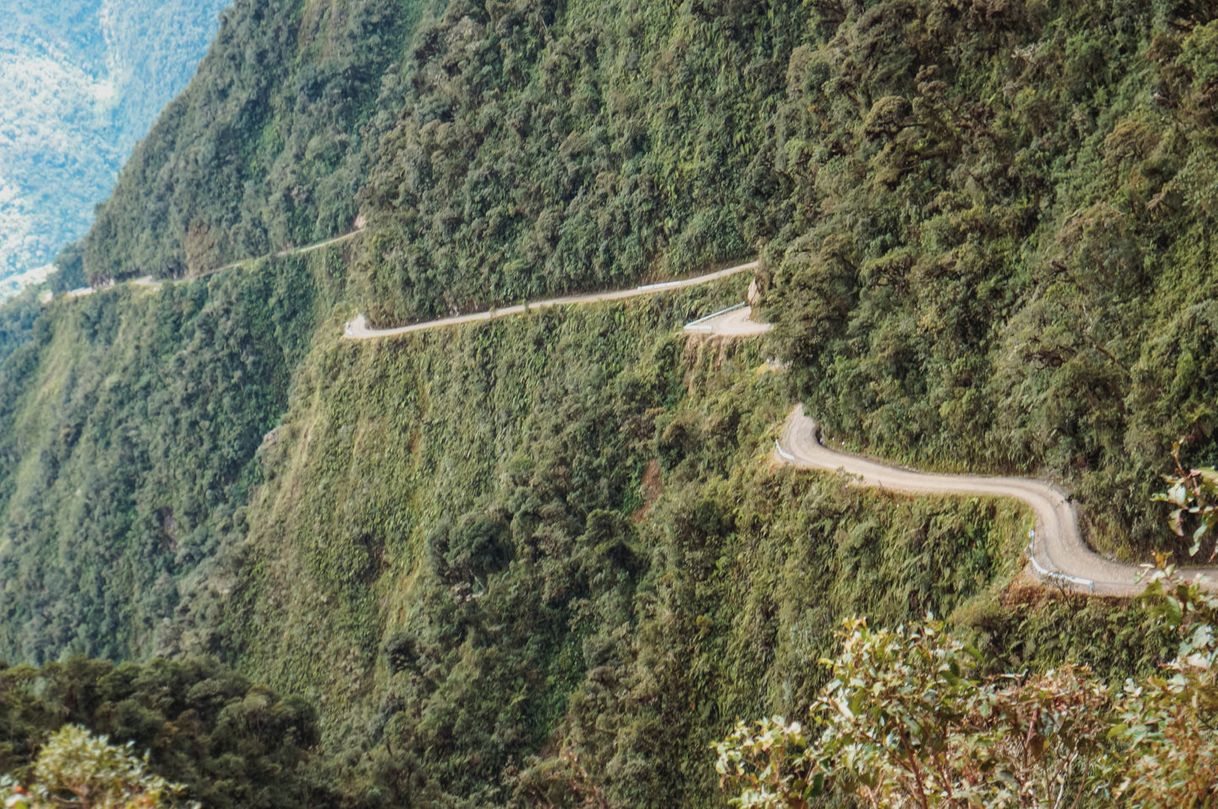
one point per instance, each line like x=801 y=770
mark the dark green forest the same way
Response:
x=1008 y=267
x=231 y=743
x=128 y=431
x=266 y=149
x=548 y=561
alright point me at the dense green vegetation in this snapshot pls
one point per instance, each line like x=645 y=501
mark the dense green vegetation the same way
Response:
x=543 y=557
x=18 y=317
x=267 y=147
x=547 y=561
x=228 y=742
x=554 y=551
x=129 y=421
x=986 y=224
x=998 y=253
x=573 y=145
x=516 y=551
x=987 y=227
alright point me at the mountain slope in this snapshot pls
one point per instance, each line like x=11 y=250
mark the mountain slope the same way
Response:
x=934 y=204
x=267 y=148
x=547 y=559
x=129 y=426
x=1000 y=257
x=552 y=532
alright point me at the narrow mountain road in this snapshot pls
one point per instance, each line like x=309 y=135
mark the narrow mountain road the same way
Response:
x=1057 y=554
x=292 y=251
x=148 y=282
x=311 y=248
x=358 y=329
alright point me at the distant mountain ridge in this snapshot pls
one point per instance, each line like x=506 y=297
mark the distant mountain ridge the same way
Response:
x=80 y=83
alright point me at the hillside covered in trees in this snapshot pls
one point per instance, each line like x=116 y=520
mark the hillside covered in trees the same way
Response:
x=548 y=561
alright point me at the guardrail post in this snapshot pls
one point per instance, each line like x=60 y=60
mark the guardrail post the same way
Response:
x=699 y=321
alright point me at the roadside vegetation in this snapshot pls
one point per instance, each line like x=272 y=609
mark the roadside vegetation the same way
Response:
x=915 y=717
x=129 y=421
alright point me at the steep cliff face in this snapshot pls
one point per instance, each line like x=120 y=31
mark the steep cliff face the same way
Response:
x=549 y=556
x=130 y=423
x=575 y=145
x=987 y=226
x=499 y=150
x=1001 y=255
x=547 y=559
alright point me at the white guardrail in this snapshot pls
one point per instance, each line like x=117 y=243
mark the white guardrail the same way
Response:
x=696 y=325
x=782 y=453
x=661 y=285
x=1053 y=575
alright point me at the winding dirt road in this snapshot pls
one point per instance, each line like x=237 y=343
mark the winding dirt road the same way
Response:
x=311 y=248
x=358 y=329
x=148 y=282
x=1058 y=553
